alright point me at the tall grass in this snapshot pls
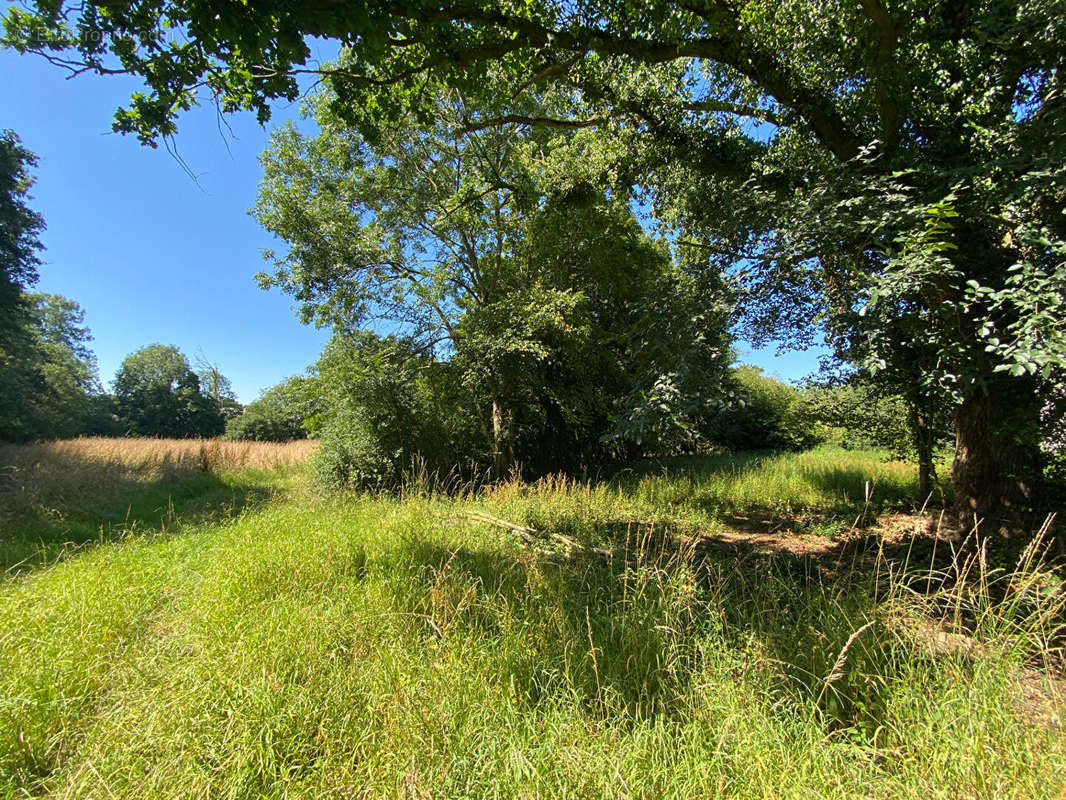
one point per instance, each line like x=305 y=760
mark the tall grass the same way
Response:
x=92 y=463
x=823 y=490
x=390 y=647
x=57 y=494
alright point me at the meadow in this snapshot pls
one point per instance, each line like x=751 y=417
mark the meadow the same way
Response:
x=757 y=625
x=58 y=496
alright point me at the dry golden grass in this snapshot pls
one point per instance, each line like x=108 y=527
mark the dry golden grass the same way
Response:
x=154 y=455
x=59 y=472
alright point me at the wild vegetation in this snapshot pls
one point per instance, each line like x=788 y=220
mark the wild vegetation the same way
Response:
x=889 y=171
x=639 y=645
x=546 y=536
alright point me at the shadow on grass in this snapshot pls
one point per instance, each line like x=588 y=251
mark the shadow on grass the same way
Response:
x=692 y=468
x=566 y=629
x=38 y=530
x=628 y=636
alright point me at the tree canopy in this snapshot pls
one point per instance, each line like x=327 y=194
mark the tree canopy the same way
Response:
x=277 y=415
x=558 y=315
x=20 y=226
x=52 y=389
x=158 y=394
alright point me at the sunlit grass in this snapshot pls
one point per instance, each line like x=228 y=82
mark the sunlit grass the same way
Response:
x=388 y=647
x=712 y=491
x=55 y=496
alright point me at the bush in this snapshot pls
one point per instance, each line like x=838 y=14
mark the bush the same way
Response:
x=858 y=415
x=277 y=416
x=350 y=455
x=764 y=414
x=385 y=405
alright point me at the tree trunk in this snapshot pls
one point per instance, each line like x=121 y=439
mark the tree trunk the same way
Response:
x=925 y=473
x=997 y=474
x=998 y=470
x=502 y=441
x=924 y=443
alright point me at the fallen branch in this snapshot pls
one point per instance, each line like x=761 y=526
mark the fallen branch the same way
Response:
x=530 y=536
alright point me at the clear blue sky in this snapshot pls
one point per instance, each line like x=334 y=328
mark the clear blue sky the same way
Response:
x=153 y=255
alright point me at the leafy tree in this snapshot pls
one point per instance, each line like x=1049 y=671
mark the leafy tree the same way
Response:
x=881 y=410
x=51 y=391
x=158 y=394
x=539 y=299
x=677 y=356
x=857 y=414
x=103 y=419
x=383 y=402
x=410 y=230
x=865 y=163
x=277 y=415
x=765 y=414
x=20 y=230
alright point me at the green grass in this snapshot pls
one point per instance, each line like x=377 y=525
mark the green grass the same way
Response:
x=57 y=498
x=822 y=490
x=167 y=505
x=387 y=647
x=825 y=480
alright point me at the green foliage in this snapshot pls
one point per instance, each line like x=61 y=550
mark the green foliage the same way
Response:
x=158 y=394
x=275 y=416
x=677 y=355
x=860 y=415
x=103 y=417
x=764 y=413
x=384 y=405
x=860 y=411
x=20 y=230
x=52 y=390
x=558 y=317
x=1054 y=439
x=891 y=172
x=21 y=381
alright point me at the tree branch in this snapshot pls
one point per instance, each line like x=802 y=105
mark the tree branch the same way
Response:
x=888 y=38
x=732 y=108
x=730 y=47
x=519 y=119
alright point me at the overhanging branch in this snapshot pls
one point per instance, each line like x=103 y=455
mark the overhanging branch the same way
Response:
x=519 y=119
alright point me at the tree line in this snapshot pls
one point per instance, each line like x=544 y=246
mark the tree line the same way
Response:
x=551 y=362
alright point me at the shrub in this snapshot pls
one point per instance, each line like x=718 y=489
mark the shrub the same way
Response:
x=764 y=414
x=350 y=454
x=857 y=415
x=384 y=405
x=277 y=416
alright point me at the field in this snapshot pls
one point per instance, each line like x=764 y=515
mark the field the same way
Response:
x=61 y=495
x=730 y=626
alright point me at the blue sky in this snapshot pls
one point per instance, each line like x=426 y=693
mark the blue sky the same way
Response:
x=152 y=254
